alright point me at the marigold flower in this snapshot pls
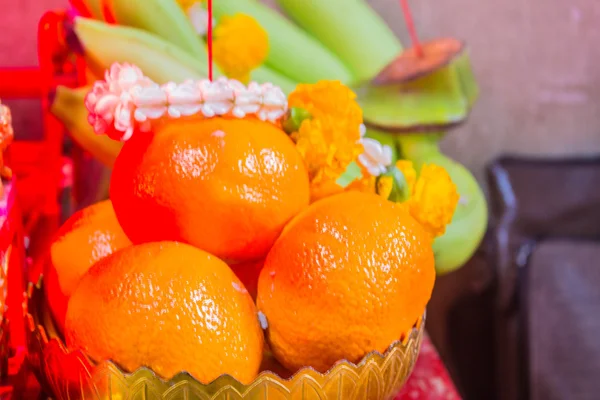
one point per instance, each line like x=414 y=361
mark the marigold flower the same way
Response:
x=385 y=185
x=433 y=197
x=327 y=152
x=408 y=170
x=240 y=45
x=330 y=98
x=330 y=140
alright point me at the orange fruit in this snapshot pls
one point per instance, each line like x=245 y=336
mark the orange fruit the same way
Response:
x=226 y=186
x=86 y=237
x=168 y=306
x=248 y=273
x=349 y=275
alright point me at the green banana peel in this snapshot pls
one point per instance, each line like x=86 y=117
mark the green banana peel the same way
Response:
x=68 y=106
x=467 y=229
x=433 y=101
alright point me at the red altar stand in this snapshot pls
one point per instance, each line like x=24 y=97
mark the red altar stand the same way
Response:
x=29 y=206
x=38 y=164
x=42 y=172
x=12 y=277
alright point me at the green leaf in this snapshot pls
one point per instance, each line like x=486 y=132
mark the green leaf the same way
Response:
x=400 y=190
x=352 y=173
x=294 y=118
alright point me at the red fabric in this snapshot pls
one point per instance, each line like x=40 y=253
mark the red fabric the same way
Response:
x=11 y=234
x=430 y=379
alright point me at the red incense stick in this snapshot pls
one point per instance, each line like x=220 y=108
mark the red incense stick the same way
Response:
x=410 y=25
x=209 y=35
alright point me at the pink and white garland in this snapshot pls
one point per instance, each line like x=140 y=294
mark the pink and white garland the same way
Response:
x=127 y=100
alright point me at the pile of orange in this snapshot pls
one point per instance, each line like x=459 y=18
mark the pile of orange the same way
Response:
x=204 y=200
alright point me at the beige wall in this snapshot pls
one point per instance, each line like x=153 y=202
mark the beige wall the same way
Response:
x=538 y=62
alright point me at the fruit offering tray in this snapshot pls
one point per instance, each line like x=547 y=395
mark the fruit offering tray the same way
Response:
x=69 y=375
x=429 y=380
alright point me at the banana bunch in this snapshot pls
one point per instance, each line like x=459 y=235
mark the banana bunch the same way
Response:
x=336 y=39
x=157 y=36
x=68 y=106
x=342 y=40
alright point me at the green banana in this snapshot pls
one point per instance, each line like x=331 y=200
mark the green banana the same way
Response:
x=68 y=106
x=466 y=231
x=468 y=226
x=351 y=30
x=160 y=60
x=264 y=74
x=164 y=18
x=292 y=51
x=105 y=44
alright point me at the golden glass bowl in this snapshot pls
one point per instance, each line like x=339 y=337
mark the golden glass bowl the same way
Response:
x=71 y=375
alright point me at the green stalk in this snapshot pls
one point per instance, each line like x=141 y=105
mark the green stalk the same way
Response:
x=464 y=234
x=349 y=28
x=292 y=51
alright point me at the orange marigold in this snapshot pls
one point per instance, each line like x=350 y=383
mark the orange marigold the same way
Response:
x=433 y=197
x=329 y=140
x=240 y=45
x=329 y=98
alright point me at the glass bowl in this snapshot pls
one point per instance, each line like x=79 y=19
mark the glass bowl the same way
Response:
x=66 y=374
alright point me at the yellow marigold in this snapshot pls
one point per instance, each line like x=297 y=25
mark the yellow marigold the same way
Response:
x=327 y=149
x=329 y=140
x=385 y=185
x=240 y=45
x=332 y=99
x=365 y=184
x=434 y=198
x=408 y=170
